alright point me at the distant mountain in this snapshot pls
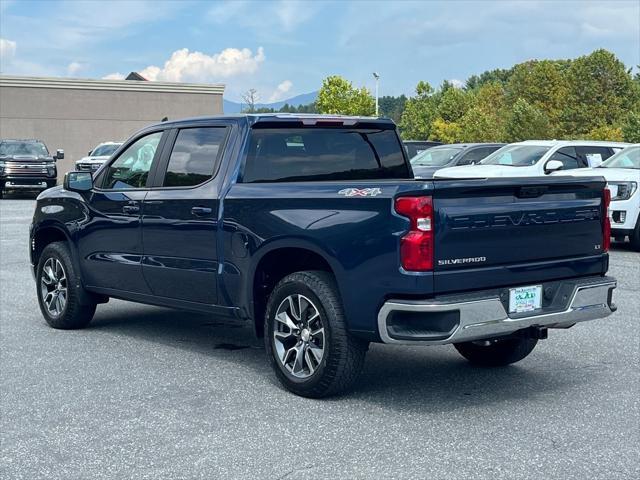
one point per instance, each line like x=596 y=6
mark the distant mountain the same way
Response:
x=304 y=99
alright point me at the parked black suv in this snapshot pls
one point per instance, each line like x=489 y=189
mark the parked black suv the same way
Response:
x=27 y=165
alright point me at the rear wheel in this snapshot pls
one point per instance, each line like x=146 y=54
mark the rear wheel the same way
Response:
x=59 y=289
x=306 y=339
x=496 y=352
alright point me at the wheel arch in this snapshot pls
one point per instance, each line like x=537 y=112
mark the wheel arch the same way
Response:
x=276 y=262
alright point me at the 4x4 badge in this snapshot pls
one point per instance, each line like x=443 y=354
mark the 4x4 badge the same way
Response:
x=360 y=192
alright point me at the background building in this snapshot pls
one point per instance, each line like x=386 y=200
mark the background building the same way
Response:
x=76 y=115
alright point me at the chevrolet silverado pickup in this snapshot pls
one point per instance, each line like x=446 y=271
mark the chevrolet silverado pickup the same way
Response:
x=312 y=231
x=27 y=165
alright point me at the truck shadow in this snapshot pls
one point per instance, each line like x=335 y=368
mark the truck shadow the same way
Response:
x=438 y=379
x=622 y=246
x=409 y=379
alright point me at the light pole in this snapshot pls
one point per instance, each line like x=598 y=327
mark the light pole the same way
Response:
x=377 y=77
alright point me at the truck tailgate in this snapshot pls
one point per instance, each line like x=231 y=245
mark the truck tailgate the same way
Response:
x=497 y=232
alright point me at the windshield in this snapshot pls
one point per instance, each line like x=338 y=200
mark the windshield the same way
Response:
x=516 y=155
x=105 y=150
x=435 y=157
x=9 y=149
x=627 y=158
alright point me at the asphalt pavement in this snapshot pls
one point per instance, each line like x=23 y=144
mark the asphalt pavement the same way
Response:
x=148 y=392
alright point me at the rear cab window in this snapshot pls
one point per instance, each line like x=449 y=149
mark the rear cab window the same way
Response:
x=324 y=154
x=195 y=156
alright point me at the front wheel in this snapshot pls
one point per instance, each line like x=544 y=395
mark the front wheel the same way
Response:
x=59 y=290
x=496 y=352
x=306 y=338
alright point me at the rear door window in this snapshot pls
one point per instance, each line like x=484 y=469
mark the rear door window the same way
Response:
x=316 y=154
x=568 y=157
x=593 y=156
x=194 y=157
x=476 y=154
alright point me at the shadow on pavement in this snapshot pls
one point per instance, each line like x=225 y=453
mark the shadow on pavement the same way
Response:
x=20 y=195
x=400 y=378
x=622 y=247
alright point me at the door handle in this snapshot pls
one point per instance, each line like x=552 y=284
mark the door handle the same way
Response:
x=130 y=209
x=201 y=211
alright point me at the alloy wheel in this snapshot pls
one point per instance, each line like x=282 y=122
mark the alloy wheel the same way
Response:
x=299 y=336
x=53 y=287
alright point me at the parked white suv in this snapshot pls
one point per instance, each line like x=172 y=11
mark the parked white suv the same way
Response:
x=536 y=157
x=96 y=157
x=622 y=173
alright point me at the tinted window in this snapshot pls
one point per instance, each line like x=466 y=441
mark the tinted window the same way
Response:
x=476 y=154
x=308 y=154
x=194 y=156
x=627 y=158
x=37 y=149
x=105 y=150
x=131 y=168
x=435 y=157
x=593 y=156
x=568 y=157
x=516 y=155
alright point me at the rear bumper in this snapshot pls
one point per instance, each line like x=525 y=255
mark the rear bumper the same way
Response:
x=478 y=315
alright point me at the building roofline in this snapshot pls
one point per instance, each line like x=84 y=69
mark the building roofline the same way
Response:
x=118 y=85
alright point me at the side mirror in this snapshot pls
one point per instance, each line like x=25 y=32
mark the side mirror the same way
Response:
x=59 y=154
x=89 y=153
x=78 y=181
x=553 y=166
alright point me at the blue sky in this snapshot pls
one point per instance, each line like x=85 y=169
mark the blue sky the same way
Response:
x=285 y=48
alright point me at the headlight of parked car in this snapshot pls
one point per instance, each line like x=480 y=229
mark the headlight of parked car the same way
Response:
x=624 y=190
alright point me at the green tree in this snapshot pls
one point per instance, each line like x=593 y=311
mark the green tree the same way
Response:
x=447 y=132
x=478 y=126
x=631 y=127
x=600 y=92
x=527 y=122
x=419 y=113
x=499 y=75
x=543 y=84
x=606 y=132
x=392 y=107
x=453 y=104
x=338 y=96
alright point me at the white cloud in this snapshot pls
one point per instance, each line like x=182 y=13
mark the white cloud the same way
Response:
x=7 y=49
x=74 y=68
x=114 y=76
x=281 y=91
x=457 y=83
x=186 y=66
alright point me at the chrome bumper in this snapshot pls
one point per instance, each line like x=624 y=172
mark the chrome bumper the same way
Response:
x=486 y=317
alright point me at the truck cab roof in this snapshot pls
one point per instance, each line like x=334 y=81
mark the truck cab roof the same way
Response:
x=304 y=118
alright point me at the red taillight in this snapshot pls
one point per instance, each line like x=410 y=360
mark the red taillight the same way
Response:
x=606 y=224
x=416 y=247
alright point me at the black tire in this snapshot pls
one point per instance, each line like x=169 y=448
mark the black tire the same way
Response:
x=635 y=236
x=343 y=355
x=496 y=352
x=73 y=314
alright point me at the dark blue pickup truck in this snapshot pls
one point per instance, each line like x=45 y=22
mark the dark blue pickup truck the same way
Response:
x=312 y=229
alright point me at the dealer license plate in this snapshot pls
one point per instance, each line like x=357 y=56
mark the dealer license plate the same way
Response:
x=525 y=299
